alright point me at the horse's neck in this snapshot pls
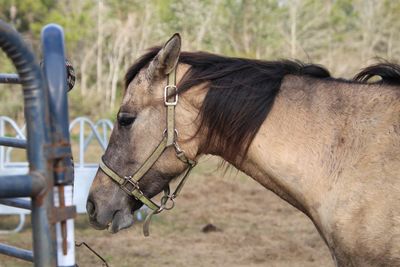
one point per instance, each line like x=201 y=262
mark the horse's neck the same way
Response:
x=287 y=153
x=319 y=140
x=331 y=149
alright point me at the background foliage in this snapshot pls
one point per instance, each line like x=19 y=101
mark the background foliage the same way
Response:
x=105 y=36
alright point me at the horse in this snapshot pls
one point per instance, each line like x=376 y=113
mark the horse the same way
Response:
x=328 y=146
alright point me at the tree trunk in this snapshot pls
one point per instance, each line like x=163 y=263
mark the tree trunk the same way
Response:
x=293 y=28
x=99 y=46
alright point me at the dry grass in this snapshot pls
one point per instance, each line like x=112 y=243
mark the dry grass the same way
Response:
x=257 y=229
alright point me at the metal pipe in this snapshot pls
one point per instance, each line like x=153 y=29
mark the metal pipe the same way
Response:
x=20 y=185
x=55 y=73
x=13 y=142
x=2 y=148
x=34 y=93
x=13 y=78
x=19 y=253
x=82 y=143
x=6 y=152
x=56 y=76
x=36 y=114
x=16 y=202
x=9 y=78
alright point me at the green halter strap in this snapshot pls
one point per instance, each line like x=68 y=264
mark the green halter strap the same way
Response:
x=130 y=184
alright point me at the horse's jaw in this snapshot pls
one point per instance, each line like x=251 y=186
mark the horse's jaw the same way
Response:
x=121 y=220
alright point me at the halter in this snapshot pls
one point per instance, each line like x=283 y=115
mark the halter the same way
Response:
x=130 y=184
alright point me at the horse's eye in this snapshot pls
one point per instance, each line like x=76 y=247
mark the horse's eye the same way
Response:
x=125 y=119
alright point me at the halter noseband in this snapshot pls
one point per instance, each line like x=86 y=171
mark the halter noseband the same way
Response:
x=130 y=184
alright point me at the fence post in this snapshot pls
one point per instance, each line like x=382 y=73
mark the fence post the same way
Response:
x=55 y=73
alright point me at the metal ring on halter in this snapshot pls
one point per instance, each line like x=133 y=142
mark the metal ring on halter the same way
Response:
x=164 y=201
x=176 y=133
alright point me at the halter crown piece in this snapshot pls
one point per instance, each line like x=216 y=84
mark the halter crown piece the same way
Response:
x=130 y=184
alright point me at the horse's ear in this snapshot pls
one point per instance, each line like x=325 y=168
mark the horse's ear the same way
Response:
x=167 y=58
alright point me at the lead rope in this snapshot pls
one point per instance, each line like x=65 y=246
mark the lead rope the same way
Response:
x=93 y=251
x=147 y=220
x=167 y=197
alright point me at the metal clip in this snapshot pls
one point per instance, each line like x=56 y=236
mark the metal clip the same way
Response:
x=164 y=201
x=178 y=149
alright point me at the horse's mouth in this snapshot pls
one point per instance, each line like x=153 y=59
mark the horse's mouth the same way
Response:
x=96 y=225
x=119 y=221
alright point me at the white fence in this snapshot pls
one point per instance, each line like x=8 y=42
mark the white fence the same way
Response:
x=89 y=134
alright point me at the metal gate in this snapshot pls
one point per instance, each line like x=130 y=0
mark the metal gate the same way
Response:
x=88 y=138
x=49 y=180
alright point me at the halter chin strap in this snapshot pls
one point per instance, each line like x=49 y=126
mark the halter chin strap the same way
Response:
x=130 y=184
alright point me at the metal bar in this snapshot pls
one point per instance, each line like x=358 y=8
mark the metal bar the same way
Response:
x=54 y=70
x=2 y=148
x=36 y=114
x=82 y=143
x=56 y=76
x=19 y=253
x=6 y=152
x=44 y=242
x=10 y=78
x=55 y=73
x=16 y=202
x=20 y=185
x=13 y=142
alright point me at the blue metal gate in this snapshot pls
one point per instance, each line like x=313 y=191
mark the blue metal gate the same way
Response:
x=49 y=180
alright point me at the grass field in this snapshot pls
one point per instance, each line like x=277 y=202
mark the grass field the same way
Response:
x=254 y=228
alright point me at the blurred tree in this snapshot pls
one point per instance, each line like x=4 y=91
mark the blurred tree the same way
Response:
x=104 y=37
x=24 y=14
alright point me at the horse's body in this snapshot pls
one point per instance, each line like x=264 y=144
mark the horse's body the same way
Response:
x=332 y=150
x=329 y=147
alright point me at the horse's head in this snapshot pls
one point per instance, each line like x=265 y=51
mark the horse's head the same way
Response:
x=143 y=141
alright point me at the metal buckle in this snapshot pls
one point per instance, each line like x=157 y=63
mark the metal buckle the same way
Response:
x=175 y=101
x=135 y=185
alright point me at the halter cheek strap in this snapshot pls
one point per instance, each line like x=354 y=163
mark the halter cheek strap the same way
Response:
x=130 y=184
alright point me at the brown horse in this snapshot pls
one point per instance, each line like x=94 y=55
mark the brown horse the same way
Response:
x=329 y=147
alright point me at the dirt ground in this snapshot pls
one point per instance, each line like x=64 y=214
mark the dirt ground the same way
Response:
x=254 y=228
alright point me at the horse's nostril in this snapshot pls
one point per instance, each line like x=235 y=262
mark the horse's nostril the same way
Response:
x=90 y=208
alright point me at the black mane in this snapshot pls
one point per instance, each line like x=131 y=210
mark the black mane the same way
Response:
x=388 y=72
x=242 y=92
x=210 y=62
